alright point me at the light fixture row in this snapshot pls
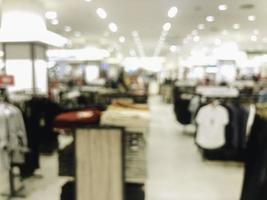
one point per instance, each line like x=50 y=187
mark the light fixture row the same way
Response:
x=52 y=16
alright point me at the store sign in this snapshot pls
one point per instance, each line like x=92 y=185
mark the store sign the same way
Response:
x=7 y=80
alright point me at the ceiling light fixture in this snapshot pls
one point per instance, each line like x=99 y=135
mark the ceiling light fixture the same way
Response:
x=222 y=7
x=67 y=29
x=101 y=13
x=122 y=39
x=167 y=26
x=113 y=27
x=217 y=42
x=55 y=22
x=196 y=38
x=51 y=15
x=210 y=19
x=173 y=48
x=252 y=18
x=236 y=26
x=88 y=0
x=172 y=12
x=201 y=26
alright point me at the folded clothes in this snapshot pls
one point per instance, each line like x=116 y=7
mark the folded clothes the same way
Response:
x=77 y=118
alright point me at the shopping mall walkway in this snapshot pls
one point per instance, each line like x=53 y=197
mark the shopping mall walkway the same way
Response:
x=176 y=169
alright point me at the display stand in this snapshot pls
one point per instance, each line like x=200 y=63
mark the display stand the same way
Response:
x=99 y=156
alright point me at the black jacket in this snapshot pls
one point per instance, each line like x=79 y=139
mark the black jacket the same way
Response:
x=255 y=182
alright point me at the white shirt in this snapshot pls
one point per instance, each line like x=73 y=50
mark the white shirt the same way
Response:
x=211 y=120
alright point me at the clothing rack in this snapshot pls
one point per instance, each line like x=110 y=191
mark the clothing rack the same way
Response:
x=13 y=191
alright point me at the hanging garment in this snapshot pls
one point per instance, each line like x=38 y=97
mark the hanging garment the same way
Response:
x=181 y=109
x=243 y=116
x=68 y=191
x=211 y=120
x=232 y=128
x=255 y=181
x=39 y=114
x=194 y=106
x=12 y=135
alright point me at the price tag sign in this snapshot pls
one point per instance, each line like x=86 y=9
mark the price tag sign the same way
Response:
x=6 y=80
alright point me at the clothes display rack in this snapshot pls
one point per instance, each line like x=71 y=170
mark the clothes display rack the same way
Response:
x=12 y=176
x=93 y=138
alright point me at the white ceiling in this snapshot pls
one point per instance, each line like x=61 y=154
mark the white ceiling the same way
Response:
x=148 y=16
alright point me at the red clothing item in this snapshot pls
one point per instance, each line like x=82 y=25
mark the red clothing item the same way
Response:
x=78 y=118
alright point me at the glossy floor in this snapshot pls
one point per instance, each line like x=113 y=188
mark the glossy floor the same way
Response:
x=175 y=167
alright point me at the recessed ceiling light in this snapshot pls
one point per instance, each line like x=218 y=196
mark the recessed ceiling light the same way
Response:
x=54 y=21
x=113 y=27
x=122 y=39
x=196 y=38
x=210 y=19
x=167 y=26
x=236 y=26
x=88 y=0
x=172 y=12
x=101 y=13
x=222 y=7
x=173 y=48
x=201 y=26
x=254 y=38
x=67 y=28
x=51 y=15
x=251 y=18
x=217 y=42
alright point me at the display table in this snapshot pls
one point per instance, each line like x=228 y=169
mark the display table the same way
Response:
x=136 y=123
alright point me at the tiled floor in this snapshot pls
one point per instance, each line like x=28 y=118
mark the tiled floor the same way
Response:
x=176 y=170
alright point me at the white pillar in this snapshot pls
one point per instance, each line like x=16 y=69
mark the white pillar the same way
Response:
x=25 y=38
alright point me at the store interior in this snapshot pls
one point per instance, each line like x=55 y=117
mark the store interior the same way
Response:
x=133 y=100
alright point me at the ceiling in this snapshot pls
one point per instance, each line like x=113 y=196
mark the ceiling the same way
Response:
x=148 y=16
